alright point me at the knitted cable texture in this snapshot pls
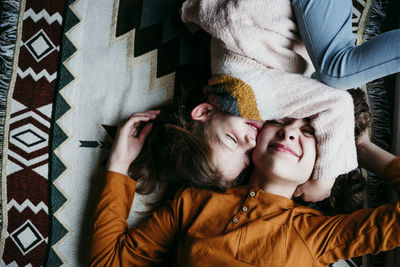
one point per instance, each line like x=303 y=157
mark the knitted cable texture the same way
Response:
x=259 y=67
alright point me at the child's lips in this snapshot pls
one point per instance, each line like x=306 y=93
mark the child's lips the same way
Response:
x=257 y=127
x=283 y=148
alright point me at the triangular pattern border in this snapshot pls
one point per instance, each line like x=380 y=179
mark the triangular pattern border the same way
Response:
x=57 y=167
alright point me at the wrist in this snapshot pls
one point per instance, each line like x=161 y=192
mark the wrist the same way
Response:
x=364 y=148
x=118 y=167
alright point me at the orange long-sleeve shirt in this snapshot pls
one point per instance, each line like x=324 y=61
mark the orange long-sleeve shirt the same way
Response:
x=244 y=226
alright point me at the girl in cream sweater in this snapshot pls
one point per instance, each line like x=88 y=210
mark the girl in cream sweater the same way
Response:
x=258 y=60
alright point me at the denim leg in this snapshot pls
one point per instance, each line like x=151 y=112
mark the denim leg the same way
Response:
x=325 y=26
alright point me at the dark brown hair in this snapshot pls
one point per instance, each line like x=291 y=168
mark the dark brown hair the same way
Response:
x=347 y=194
x=176 y=154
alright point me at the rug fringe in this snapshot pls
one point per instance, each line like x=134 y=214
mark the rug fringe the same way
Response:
x=377 y=93
x=8 y=35
x=381 y=123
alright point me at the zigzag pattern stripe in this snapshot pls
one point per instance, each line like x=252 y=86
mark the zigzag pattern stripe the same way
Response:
x=57 y=167
x=32 y=114
x=27 y=204
x=37 y=76
x=43 y=15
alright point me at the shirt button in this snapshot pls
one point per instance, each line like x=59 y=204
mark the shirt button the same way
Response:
x=252 y=194
x=235 y=220
x=244 y=209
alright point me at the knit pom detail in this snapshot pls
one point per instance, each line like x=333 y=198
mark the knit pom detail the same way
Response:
x=240 y=96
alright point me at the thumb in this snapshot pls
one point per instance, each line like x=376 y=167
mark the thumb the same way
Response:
x=145 y=132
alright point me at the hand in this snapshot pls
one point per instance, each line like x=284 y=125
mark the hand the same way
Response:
x=314 y=190
x=362 y=141
x=127 y=146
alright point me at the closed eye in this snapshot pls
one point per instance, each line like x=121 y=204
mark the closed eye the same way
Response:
x=275 y=122
x=308 y=132
x=232 y=138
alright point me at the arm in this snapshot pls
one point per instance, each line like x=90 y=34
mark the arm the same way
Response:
x=244 y=50
x=259 y=30
x=365 y=231
x=372 y=157
x=379 y=161
x=112 y=243
x=273 y=94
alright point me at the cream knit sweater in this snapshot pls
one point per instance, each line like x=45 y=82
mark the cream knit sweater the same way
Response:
x=259 y=67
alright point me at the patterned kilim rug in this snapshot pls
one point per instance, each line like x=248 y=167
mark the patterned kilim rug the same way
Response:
x=70 y=72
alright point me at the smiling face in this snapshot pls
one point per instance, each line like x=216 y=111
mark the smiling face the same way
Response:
x=232 y=140
x=286 y=150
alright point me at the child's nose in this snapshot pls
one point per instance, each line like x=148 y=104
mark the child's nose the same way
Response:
x=289 y=133
x=250 y=140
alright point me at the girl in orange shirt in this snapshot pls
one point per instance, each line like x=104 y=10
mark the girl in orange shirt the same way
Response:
x=254 y=224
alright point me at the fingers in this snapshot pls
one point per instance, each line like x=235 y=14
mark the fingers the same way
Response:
x=145 y=132
x=314 y=190
x=130 y=126
x=149 y=112
x=136 y=117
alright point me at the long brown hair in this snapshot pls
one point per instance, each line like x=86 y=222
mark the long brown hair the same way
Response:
x=175 y=154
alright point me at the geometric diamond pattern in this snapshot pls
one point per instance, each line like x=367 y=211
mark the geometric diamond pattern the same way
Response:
x=28 y=226
x=40 y=45
x=27 y=237
x=37 y=46
x=30 y=113
x=29 y=138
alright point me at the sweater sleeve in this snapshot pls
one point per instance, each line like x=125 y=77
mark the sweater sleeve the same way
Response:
x=366 y=231
x=261 y=30
x=270 y=94
x=257 y=49
x=332 y=116
x=113 y=244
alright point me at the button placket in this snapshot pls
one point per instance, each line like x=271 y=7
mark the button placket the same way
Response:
x=251 y=194
x=244 y=207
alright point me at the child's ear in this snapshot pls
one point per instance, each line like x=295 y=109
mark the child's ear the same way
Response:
x=202 y=112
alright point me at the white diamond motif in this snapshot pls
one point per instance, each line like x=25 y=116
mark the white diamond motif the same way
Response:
x=27 y=237
x=29 y=138
x=39 y=45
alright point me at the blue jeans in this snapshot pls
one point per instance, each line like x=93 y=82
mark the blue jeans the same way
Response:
x=325 y=27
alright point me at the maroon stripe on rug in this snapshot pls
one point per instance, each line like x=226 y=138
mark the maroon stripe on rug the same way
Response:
x=28 y=148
